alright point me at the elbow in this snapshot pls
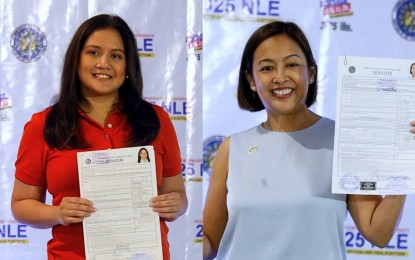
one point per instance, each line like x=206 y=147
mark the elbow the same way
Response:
x=381 y=244
x=19 y=216
x=18 y=212
x=15 y=211
x=381 y=240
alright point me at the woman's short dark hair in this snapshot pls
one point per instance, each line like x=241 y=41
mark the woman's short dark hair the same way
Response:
x=410 y=68
x=61 y=128
x=248 y=99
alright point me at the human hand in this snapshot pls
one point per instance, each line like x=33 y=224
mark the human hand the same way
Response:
x=74 y=210
x=169 y=206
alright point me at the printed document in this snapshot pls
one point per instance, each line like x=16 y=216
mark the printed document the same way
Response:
x=374 y=152
x=120 y=185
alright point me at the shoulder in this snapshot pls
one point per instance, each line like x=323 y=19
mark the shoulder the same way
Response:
x=327 y=120
x=34 y=128
x=42 y=114
x=223 y=153
x=161 y=113
x=167 y=130
x=39 y=118
x=325 y=125
x=248 y=132
x=225 y=144
x=158 y=109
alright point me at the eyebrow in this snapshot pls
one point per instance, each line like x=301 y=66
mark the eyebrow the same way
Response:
x=99 y=47
x=285 y=58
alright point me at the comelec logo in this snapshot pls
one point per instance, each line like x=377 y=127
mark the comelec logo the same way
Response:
x=28 y=43
x=403 y=19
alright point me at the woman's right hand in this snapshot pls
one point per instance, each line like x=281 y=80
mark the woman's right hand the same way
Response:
x=74 y=210
x=27 y=199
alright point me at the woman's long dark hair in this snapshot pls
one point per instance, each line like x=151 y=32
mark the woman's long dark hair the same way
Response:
x=62 y=123
x=139 y=157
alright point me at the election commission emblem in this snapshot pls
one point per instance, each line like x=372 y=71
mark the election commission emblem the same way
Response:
x=403 y=18
x=28 y=43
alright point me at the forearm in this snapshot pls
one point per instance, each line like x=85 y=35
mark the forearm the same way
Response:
x=385 y=219
x=35 y=213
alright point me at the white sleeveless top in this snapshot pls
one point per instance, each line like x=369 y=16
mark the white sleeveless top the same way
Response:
x=279 y=198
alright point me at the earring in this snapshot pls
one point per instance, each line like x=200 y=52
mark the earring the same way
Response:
x=252 y=86
x=126 y=77
x=311 y=80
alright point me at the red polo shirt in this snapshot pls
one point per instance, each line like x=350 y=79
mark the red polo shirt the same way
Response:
x=38 y=165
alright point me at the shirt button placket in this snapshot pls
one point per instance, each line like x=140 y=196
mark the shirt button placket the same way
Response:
x=106 y=137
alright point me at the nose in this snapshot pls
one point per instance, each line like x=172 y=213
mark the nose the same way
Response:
x=278 y=75
x=102 y=62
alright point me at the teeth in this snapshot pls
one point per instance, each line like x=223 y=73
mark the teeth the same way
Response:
x=102 y=76
x=285 y=91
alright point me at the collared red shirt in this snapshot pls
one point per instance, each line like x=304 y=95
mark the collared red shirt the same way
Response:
x=38 y=165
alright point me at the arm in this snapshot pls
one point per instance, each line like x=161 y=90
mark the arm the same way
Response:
x=215 y=212
x=376 y=217
x=172 y=201
x=28 y=206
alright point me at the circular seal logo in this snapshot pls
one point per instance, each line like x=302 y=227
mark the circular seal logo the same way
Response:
x=403 y=18
x=210 y=147
x=28 y=43
x=349 y=182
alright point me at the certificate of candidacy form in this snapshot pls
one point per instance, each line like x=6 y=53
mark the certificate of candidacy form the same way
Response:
x=124 y=226
x=374 y=152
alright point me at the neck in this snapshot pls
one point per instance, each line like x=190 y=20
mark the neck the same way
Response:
x=290 y=122
x=98 y=108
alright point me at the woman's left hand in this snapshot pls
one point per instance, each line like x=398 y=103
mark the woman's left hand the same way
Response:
x=169 y=206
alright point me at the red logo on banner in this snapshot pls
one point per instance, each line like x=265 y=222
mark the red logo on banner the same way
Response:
x=335 y=8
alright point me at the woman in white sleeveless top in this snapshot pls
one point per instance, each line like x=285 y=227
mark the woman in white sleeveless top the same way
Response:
x=269 y=195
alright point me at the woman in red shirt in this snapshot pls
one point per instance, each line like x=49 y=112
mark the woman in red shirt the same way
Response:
x=100 y=106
